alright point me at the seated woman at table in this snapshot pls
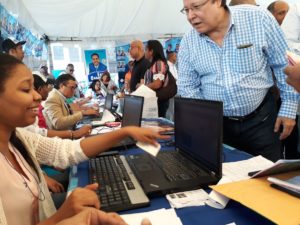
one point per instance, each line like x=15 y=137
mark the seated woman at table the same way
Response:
x=22 y=151
x=107 y=84
x=95 y=91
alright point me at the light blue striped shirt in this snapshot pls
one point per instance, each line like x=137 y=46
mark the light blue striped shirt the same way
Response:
x=240 y=77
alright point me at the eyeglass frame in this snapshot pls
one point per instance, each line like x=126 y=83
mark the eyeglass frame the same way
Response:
x=73 y=88
x=194 y=8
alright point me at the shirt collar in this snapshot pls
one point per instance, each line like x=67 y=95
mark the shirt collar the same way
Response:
x=61 y=94
x=231 y=19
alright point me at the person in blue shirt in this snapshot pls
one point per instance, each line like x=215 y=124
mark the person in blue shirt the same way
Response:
x=96 y=68
x=229 y=56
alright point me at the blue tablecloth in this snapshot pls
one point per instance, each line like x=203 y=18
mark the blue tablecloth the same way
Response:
x=234 y=212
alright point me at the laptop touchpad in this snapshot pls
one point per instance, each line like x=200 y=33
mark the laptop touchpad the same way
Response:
x=143 y=167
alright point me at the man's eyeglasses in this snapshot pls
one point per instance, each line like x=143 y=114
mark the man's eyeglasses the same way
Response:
x=194 y=8
x=72 y=87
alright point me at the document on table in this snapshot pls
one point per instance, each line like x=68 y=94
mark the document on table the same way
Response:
x=150 y=109
x=187 y=198
x=236 y=171
x=106 y=117
x=151 y=149
x=157 y=217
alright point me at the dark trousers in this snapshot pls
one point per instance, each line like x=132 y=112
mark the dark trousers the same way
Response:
x=162 y=107
x=255 y=135
x=290 y=144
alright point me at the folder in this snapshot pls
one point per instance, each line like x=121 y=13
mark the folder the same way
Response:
x=258 y=195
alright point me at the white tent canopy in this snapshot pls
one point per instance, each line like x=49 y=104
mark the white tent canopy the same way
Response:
x=100 y=18
x=106 y=19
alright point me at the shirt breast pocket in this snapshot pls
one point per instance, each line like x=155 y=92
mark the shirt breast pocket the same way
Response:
x=245 y=60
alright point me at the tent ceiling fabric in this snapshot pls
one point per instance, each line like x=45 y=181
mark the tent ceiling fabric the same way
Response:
x=107 y=18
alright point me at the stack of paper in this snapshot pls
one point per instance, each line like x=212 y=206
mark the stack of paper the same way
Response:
x=236 y=171
x=107 y=117
x=157 y=217
x=150 y=109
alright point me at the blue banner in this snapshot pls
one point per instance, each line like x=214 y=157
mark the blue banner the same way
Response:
x=95 y=71
x=172 y=44
x=11 y=28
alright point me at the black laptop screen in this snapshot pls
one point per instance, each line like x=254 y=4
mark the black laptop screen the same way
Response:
x=133 y=109
x=198 y=131
x=108 y=101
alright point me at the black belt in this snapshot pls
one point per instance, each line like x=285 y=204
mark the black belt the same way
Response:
x=252 y=114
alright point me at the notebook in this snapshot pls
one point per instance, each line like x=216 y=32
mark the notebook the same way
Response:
x=195 y=161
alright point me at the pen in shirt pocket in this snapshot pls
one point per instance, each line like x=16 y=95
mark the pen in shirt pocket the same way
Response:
x=244 y=46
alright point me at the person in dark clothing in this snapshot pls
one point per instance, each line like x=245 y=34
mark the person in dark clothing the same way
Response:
x=140 y=65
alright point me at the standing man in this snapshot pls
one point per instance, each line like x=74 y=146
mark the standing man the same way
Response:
x=228 y=56
x=13 y=48
x=70 y=69
x=140 y=64
x=279 y=10
x=96 y=68
x=44 y=71
x=172 y=58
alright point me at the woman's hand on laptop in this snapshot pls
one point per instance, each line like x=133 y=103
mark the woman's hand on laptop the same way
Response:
x=79 y=200
x=145 y=135
x=83 y=131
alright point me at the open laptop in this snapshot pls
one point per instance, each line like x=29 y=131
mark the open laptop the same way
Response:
x=196 y=160
x=108 y=104
x=119 y=189
x=132 y=116
x=94 y=120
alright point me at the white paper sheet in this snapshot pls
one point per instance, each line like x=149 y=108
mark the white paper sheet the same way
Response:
x=187 y=198
x=235 y=171
x=151 y=149
x=157 y=217
x=150 y=109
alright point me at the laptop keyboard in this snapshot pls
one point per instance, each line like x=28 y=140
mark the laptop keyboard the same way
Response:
x=114 y=184
x=178 y=168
